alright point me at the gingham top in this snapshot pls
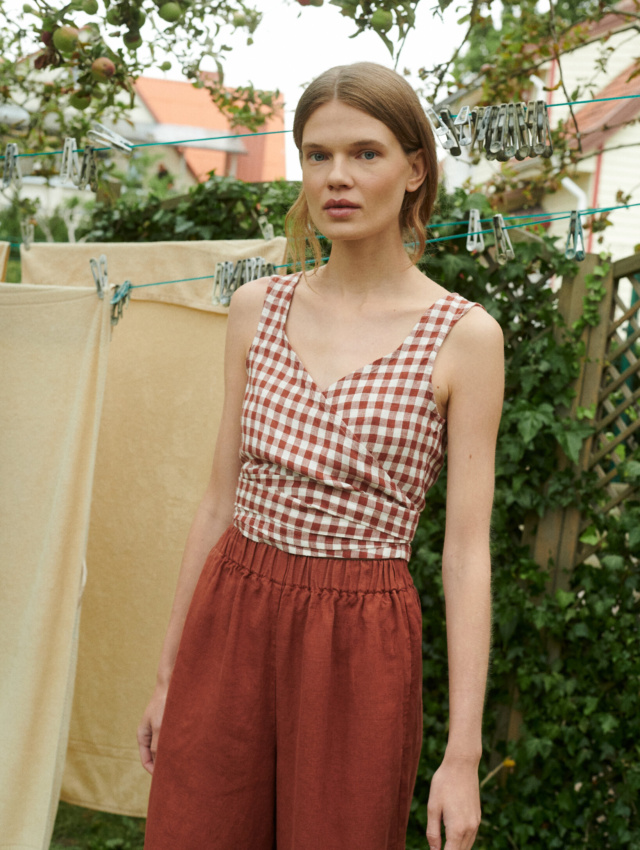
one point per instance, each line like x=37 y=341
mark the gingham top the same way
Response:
x=341 y=472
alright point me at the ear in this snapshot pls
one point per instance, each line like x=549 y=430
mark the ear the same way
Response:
x=418 y=163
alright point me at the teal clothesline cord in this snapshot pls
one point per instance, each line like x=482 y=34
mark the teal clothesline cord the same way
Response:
x=274 y=132
x=548 y=217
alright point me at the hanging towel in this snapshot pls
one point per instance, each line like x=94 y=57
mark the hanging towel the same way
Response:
x=149 y=262
x=5 y=248
x=53 y=349
x=163 y=401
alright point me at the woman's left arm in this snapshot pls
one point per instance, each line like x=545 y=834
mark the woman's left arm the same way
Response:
x=473 y=368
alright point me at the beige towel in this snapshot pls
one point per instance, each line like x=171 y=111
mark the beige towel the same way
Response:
x=149 y=262
x=53 y=349
x=162 y=406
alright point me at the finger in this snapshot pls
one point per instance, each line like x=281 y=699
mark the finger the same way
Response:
x=433 y=830
x=144 y=741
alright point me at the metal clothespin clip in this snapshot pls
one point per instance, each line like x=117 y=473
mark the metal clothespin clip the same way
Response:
x=265 y=227
x=99 y=271
x=574 y=249
x=70 y=166
x=88 y=173
x=444 y=131
x=464 y=126
x=512 y=142
x=11 y=174
x=475 y=118
x=104 y=136
x=452 y=143
x=475 y=239
x=483 y=124
x=538 y=123
x=27 y=229
x=263 y=268
x=121 y=296
x=222 y=282
x=498 y=139
x=504 y=248
x=524 y=145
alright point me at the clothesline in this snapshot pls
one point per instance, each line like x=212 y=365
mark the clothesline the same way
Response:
x=545 y=218
x=274 y=132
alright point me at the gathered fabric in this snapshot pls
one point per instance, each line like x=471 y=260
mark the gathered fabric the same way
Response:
x=342 y=471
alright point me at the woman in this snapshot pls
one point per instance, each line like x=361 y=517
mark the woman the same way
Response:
x=294 y=715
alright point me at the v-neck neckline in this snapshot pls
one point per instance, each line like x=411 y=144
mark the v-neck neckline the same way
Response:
x=377 y=362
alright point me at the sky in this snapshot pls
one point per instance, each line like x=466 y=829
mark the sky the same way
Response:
x=293 y=44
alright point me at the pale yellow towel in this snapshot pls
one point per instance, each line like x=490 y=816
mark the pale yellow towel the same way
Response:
x=149 y=262
x=5 y=248
x=53 y=349
x=162 y=406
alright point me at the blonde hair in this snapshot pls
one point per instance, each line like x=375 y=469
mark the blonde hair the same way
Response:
x=385 y=95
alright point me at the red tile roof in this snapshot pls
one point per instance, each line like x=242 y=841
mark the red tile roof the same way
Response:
x=178 y=102
x=599 y=121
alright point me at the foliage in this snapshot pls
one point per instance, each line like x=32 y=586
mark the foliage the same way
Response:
x=88 y=830
x=220 y=208
x=569 y=658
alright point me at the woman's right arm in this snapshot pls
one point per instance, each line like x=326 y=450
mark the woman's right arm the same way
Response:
x=215 y=511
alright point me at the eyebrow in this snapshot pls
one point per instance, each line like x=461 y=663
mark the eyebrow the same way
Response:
x=360 y=143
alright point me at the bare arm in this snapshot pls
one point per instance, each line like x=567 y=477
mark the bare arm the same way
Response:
x=215 y=511
x=473 y=368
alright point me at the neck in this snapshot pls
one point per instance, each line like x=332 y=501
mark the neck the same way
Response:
x=368 y=266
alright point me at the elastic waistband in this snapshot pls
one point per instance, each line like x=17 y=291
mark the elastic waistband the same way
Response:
x=366 y=575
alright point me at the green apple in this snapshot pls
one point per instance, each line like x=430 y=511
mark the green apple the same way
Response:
x=381 y=20
x=65 y=39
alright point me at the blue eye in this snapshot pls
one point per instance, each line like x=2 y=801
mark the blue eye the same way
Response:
x=369 y=155
x=315 y=154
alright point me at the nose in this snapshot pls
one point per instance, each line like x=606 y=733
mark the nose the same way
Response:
x=339 y=173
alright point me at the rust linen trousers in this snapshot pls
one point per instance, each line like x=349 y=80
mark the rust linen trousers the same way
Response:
x=294 y=715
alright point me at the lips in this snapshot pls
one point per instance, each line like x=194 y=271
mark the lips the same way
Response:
x=339 y=203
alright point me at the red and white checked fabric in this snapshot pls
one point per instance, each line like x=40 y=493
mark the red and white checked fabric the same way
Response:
x=341 y=472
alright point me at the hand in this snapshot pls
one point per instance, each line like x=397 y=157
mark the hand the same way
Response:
x=454 y=797
x=149 y=728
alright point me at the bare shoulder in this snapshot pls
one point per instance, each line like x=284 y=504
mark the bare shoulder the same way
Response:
x=245 y=309
x=476 y=333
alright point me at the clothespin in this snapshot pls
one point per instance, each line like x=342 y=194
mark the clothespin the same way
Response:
x=88 y=173
x=101 y=134
x=464 y=126
x=475 y=239
x=538 y=123
x=263 y=268
x=444 y=131
x=265 y=227
x=222 y=282
x=99 y=271
x=504 y=248
x=27 y=229
x=121 y=296
x=483 y=126
x=522 y=130
x=498 y=139
x=574 y=249
x=475 y=119
x=11 y=175
x=70 y=166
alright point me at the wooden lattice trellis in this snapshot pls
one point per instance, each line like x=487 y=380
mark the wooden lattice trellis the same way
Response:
x=610 y=381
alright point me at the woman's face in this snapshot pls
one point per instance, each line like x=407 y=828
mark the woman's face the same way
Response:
x=355 y=173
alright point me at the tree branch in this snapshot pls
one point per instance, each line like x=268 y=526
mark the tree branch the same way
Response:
x=554 y=35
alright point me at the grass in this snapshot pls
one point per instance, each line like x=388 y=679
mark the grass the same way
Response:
x=89 y=830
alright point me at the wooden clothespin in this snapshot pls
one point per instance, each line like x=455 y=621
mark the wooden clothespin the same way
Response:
x=475 y=239
x=504 y=248
x=574 y=249
x=99 y=271
x=11 y=174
